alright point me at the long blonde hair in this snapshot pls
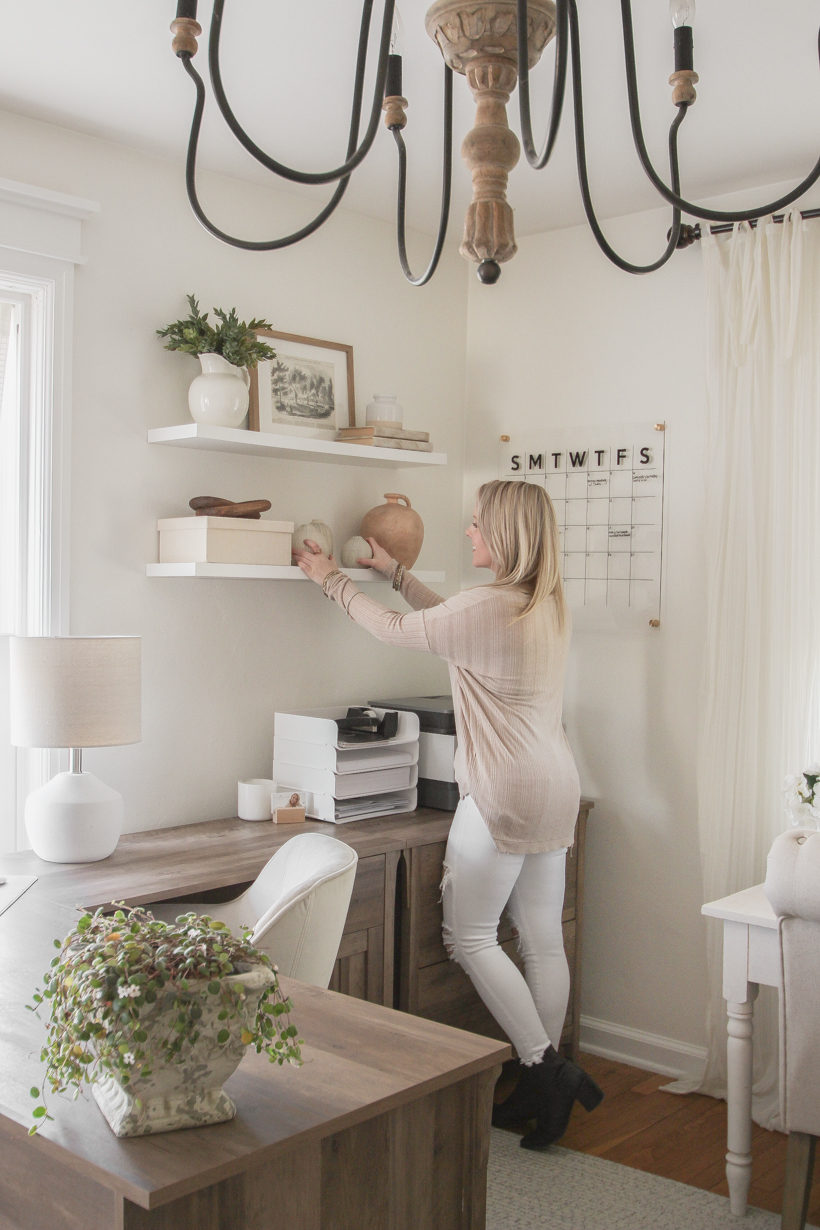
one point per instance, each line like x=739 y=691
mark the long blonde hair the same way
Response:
x=517 y=522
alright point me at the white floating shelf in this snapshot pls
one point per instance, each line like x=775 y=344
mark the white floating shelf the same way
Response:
x=270 y=572
x=294 y=448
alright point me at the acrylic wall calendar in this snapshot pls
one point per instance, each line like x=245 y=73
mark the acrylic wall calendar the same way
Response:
x=606 y=484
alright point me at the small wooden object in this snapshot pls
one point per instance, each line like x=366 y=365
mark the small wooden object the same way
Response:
x=394 y=108
x=214 y=506
x=683 y=83
x=294 y=813
x=185 y=30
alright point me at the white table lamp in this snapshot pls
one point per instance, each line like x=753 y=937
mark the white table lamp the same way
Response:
x=74 y=692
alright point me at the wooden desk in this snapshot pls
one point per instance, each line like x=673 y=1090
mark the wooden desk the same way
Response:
x=386 y=1124
x=751 y=958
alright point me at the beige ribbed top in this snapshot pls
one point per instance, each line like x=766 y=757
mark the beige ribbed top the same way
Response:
x=507 y=680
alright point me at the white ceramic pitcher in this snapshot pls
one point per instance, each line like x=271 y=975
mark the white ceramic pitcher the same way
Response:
x=219 y=396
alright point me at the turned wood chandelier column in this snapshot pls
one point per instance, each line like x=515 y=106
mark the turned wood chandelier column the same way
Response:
x=478 y=39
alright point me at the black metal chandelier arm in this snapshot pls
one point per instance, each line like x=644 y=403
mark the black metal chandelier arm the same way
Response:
x=536 y=160
x=190 y=183
x=354 y=156
x=583 y=178
x=446 y=190
x=697 y=211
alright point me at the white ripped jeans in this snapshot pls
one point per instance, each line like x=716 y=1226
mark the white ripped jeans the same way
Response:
x=478 y=882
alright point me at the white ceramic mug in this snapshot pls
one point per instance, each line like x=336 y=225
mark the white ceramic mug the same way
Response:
x=254 y=798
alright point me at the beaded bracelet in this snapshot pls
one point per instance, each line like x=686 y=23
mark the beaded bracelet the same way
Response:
x=398 y=577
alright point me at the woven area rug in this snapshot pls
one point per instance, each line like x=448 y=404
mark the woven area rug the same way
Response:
x=563 y=1190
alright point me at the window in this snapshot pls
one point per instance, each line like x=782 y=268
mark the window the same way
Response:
x=40 y=234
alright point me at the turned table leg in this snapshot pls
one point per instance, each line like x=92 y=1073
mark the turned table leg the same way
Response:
x=739 y=1099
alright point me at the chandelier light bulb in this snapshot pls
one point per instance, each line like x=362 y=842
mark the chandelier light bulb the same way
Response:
x=397 y=36
x=682 y=12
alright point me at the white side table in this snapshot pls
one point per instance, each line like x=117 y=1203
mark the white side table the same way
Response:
x=751 y=958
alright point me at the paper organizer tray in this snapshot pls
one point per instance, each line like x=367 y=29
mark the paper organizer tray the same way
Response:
x=345 y=760
x=318 y=727
x=345 y=785
x=345 y=811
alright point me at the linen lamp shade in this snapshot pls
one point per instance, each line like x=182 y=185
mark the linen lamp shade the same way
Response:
x=75 y=691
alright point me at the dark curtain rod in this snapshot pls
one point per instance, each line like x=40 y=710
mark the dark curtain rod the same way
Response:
x=724 y=228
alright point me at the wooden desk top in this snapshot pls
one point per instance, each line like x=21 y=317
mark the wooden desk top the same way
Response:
x=361 y=1059
x=193 y=858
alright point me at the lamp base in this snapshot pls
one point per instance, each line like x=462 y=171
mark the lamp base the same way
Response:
x=74 y=818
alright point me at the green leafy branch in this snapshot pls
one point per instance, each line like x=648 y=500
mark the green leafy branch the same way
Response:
x=232 y=338
x=107 y=978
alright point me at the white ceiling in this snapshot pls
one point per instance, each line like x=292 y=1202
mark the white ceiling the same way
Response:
x=106 y=67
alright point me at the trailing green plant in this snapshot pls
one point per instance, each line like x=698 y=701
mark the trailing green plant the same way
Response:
x=235 y=340
x=109 y=973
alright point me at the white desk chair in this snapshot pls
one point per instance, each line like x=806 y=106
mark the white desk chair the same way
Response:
x=297 y=906
x=793 y=889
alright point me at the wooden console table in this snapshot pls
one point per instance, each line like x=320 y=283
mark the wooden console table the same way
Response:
x=385 y=1125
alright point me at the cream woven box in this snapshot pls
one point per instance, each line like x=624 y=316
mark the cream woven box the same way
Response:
x=224 y=540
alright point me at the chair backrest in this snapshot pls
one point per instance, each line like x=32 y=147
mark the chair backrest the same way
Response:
x=298 y=905
x=793 y=889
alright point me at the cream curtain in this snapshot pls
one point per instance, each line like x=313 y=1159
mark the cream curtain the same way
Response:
x=761 y=710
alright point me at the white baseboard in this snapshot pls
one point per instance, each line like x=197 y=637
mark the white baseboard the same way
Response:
x=654 y=1052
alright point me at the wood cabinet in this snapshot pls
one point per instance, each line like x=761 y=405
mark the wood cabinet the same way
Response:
x=391 y=951
x=433 y=986
x=365 y=965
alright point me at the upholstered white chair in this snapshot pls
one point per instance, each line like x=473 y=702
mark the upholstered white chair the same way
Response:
x=297 y=906
x=793 y=890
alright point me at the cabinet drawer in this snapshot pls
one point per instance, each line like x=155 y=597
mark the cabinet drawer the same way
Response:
x=446 y=994
x=428 y=869
x=359 y=968
x=367 y=903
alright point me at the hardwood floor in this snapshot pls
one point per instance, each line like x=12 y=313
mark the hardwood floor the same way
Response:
x=677 y=1137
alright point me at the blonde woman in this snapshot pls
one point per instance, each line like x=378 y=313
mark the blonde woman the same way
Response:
x=506 y=646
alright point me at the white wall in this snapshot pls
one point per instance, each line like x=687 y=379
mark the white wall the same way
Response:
x=566 y=339
x=219 y=657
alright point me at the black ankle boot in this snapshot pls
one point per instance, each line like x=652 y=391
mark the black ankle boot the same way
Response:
x=522 y=1104
x=560 y=1084
x=531 y=1094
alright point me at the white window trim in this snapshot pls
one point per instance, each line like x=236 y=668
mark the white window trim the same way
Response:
x=40 y=236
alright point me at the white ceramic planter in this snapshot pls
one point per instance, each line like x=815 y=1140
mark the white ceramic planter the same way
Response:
x=219 y=396
x=188 y=1093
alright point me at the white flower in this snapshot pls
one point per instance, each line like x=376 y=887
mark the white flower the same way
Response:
x=126 y=992
x=789 y=782
x=193 y=933
x=129 y=1057
x=813 y=769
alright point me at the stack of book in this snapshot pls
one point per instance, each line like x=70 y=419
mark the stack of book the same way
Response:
x=342 y=779
x=385 y=435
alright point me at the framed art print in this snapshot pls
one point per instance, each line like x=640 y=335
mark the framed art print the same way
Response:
x=307 y=390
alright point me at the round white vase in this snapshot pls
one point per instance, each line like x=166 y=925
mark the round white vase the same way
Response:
x=219 y=396
x=74 y=818
x=385 y=408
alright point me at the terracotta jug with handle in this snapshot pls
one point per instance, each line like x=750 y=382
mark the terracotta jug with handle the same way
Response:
x=395 y=527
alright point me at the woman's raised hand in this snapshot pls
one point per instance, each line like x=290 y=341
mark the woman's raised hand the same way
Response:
x=381 y=561
x=313 y=563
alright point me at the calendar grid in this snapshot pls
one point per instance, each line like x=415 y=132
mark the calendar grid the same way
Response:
x=608 y=500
